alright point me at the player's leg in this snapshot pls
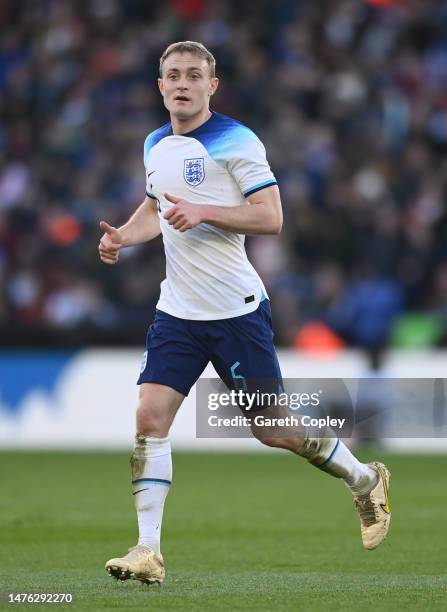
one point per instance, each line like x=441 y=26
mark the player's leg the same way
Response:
x=151 y=460
x=369 y=483
x=172 y=363
x=324 y=451
x=151 y=478
x=248 y=341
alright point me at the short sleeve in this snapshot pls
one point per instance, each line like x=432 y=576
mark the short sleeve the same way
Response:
x=151 y=140
x=147 y=148
x=249 y=166
x=149 y=186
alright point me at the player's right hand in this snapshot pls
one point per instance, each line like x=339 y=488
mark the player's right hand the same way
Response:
x=110 y=243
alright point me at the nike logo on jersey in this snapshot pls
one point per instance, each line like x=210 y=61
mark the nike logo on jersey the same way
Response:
x=149 y=173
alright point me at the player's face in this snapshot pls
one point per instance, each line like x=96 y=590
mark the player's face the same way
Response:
x=186 y=85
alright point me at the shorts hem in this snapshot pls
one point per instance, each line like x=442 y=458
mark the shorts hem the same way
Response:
x=160 y=381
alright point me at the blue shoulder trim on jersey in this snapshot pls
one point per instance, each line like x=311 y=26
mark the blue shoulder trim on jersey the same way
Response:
x=220 y=135
x=156 y=136
x=258 y=187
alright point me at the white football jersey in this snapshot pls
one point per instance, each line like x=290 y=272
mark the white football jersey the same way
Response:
x=208 y=275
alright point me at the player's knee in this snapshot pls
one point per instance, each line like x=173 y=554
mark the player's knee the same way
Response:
x=151 y=419
x=147 y=424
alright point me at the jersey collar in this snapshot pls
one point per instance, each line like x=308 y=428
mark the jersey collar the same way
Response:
x=204 y=127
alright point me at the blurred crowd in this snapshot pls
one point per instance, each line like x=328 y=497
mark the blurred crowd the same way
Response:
x=350 y=100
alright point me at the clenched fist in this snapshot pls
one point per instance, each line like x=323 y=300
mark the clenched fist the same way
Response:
x=110 y=243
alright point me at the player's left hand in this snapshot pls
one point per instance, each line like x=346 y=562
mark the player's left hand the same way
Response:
x=183 y=215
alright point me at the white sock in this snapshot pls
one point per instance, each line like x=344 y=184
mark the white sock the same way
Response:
x=359 y=477
x=151 y=478
x=335 y=458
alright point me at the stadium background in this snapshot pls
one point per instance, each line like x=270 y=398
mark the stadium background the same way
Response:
x=349 y=98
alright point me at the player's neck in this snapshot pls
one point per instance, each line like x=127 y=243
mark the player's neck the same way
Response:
x=183 y=126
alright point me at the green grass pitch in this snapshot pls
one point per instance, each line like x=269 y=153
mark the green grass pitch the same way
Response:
x=241 y=532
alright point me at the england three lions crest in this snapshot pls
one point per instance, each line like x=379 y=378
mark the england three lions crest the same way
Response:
x=194 y=171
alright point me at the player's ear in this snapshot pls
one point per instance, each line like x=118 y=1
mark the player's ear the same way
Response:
x=214 y=84
x=160 y=85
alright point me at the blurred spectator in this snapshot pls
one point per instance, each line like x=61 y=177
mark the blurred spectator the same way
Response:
x=349 y=98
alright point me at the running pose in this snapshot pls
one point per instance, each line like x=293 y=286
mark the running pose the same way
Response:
x=209 y=184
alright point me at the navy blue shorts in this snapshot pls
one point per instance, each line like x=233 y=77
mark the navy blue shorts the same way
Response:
x=241 y=350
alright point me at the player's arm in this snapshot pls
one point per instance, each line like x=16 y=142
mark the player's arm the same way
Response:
x=143 y=225
x=261 y=215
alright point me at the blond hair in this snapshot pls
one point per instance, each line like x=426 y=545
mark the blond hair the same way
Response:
x=195 y=48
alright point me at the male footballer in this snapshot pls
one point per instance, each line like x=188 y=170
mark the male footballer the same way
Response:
x=209 y=184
